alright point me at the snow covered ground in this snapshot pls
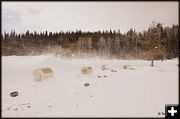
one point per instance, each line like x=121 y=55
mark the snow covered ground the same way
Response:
x=142 y=92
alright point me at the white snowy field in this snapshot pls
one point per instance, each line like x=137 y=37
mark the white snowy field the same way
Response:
x=142 y=92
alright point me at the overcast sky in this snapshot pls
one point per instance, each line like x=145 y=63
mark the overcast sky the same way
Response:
x=87 y=16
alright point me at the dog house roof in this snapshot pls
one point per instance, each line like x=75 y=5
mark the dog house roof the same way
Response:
x=46 y=70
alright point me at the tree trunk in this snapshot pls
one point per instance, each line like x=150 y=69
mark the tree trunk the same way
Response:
x=152 y=62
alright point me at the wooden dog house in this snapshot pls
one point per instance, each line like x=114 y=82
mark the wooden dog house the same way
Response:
x=42 y=74
x=86 y=70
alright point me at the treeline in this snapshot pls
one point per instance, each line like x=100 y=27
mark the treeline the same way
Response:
x=156 y=42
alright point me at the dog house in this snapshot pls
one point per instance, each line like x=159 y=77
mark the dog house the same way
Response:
x=86 y=70
x=42 y=74
x=104 y=67
x=126 y=67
